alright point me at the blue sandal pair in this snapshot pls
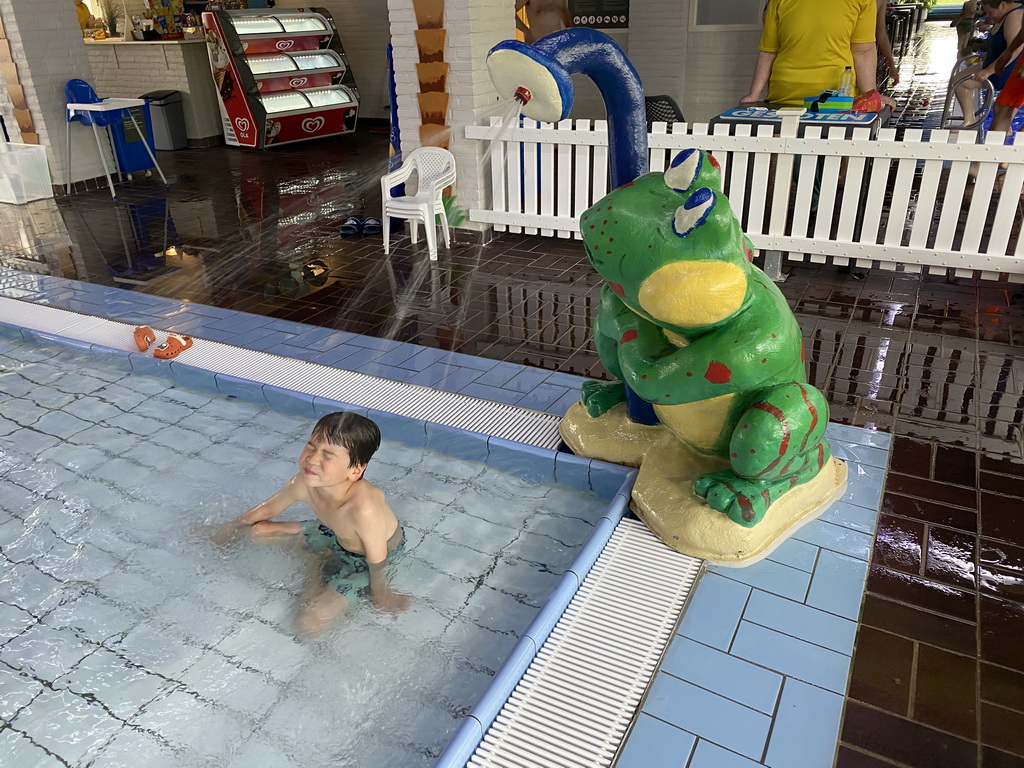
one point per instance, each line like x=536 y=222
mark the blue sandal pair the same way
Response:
x=355 y=226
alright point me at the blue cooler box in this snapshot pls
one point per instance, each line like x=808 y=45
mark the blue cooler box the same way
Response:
x=832 y=104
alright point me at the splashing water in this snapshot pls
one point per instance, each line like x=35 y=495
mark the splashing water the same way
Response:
x=509 y=120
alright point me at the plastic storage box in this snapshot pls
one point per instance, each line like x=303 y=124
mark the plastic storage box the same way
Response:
x=24 y=173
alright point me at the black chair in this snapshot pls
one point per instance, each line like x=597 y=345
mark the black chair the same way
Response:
x=663 y=109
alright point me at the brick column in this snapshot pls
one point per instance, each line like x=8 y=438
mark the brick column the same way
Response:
x=473 y=27
x=47 y=48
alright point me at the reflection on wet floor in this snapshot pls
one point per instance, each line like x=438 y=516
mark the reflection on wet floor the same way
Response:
x=938 y=362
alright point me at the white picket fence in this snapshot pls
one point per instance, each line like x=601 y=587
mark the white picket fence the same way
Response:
x=833 y=195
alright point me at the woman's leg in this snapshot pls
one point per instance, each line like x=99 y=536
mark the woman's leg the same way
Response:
x=966 y=92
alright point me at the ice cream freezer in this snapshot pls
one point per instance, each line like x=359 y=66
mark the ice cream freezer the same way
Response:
x=306 y=69
x=281 y=77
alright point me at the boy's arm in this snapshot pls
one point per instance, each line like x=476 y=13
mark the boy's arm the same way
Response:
x=265 y=510
x=370 y=524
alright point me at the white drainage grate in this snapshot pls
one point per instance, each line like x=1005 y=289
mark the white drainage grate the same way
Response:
x=576 y=700
x=510 y=422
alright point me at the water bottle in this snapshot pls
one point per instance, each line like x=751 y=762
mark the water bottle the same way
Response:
x=846 y=82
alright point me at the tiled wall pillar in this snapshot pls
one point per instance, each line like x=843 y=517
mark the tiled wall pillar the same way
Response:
x=473 y=28
x=46 y=45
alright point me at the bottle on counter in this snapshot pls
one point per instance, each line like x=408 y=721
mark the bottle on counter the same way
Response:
x=846 y=82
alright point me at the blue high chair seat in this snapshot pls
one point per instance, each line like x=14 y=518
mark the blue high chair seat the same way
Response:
x=80 y=92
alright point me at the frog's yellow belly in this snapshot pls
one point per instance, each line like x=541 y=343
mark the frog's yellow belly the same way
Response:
x=701 y=423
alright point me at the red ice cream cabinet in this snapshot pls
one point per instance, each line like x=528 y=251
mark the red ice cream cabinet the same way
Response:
x=282 y=77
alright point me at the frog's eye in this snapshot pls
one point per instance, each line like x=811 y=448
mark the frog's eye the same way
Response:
x=683 y=170
x=693 y=212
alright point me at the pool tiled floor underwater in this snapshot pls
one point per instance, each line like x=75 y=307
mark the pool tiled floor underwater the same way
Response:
x=932 y=364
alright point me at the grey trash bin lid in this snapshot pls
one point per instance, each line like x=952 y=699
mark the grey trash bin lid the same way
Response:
x=162 y=97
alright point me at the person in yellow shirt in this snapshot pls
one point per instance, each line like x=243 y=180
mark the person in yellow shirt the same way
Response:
x=806 y=45
x=84 y=14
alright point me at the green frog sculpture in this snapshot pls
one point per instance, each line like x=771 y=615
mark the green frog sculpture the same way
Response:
x=711 y=400
x=694 y=328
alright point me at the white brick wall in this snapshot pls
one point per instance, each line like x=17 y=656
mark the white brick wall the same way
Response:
x=132 y=69
x=364 y=31
x=46 y=42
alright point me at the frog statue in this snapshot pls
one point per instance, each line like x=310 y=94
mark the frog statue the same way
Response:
x=732 y=455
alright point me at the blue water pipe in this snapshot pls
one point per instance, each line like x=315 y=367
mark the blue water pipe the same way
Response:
x=539 y=77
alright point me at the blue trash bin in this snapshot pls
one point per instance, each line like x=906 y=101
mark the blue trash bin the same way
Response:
x=131 y=153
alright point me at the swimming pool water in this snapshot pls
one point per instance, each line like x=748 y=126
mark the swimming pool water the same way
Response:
x=127 y=638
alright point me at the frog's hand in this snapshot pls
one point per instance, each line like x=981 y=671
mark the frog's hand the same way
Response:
x=600 y=396
x=778 y=443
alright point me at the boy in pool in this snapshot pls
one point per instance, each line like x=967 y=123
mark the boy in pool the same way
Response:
x=355 y=528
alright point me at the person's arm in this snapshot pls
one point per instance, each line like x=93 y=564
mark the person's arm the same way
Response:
x=762 y=71
x=865 y=58
x=884 y=45
x=999 y=64
x=370 y=522
x=264 y=511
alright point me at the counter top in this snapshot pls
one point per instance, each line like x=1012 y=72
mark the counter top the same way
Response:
x=142 y=42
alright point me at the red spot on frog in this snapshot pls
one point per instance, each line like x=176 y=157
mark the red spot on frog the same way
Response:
x=748 y=253
x=801 y=351
x=617 y=289
x=627 y=336
x=713 y=161
x=764 y=359
x=718 y=373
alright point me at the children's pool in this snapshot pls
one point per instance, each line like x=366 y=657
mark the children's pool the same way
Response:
x=128 y=639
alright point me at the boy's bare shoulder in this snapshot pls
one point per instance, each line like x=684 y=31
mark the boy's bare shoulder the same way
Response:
x=367 y=498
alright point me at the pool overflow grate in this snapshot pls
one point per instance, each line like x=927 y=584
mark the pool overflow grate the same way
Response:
x=577 y=698
x=510 y=422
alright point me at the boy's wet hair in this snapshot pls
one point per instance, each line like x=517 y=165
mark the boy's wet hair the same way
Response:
x=357 y=434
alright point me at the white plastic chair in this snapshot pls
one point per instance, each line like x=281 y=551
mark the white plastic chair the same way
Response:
x=435 y=170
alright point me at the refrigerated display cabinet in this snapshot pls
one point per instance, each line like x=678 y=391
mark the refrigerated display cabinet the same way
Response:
x=282 y=77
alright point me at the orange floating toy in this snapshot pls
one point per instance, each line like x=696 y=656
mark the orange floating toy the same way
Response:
x=173 y=347
x=144 y=336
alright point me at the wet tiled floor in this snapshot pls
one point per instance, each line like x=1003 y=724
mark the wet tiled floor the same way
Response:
x=938 y=671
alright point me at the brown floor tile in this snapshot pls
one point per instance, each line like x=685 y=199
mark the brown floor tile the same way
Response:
x=945 y=691
x=921 y=593
x=911 y=457
x=904 y=741
x=1002 y=630
x=998 y=554
x=996 y=758
x=933 y=512
x=1000 y=518
x=1002 y=728
x=917 y=624
x=847 y=757
x=882 y=668
x=950 y=557
x=1007 y=485
x=899 y=544
x=1001 y=686
x=955 y=465
x=931 y=490
x=1002 y=464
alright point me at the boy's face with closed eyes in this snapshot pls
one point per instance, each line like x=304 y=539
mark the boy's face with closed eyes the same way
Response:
x=324 y=465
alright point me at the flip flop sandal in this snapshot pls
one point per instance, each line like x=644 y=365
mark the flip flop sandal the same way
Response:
x=144 y=336
x=173 y=347
x=353 y=226
x=372 y=226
